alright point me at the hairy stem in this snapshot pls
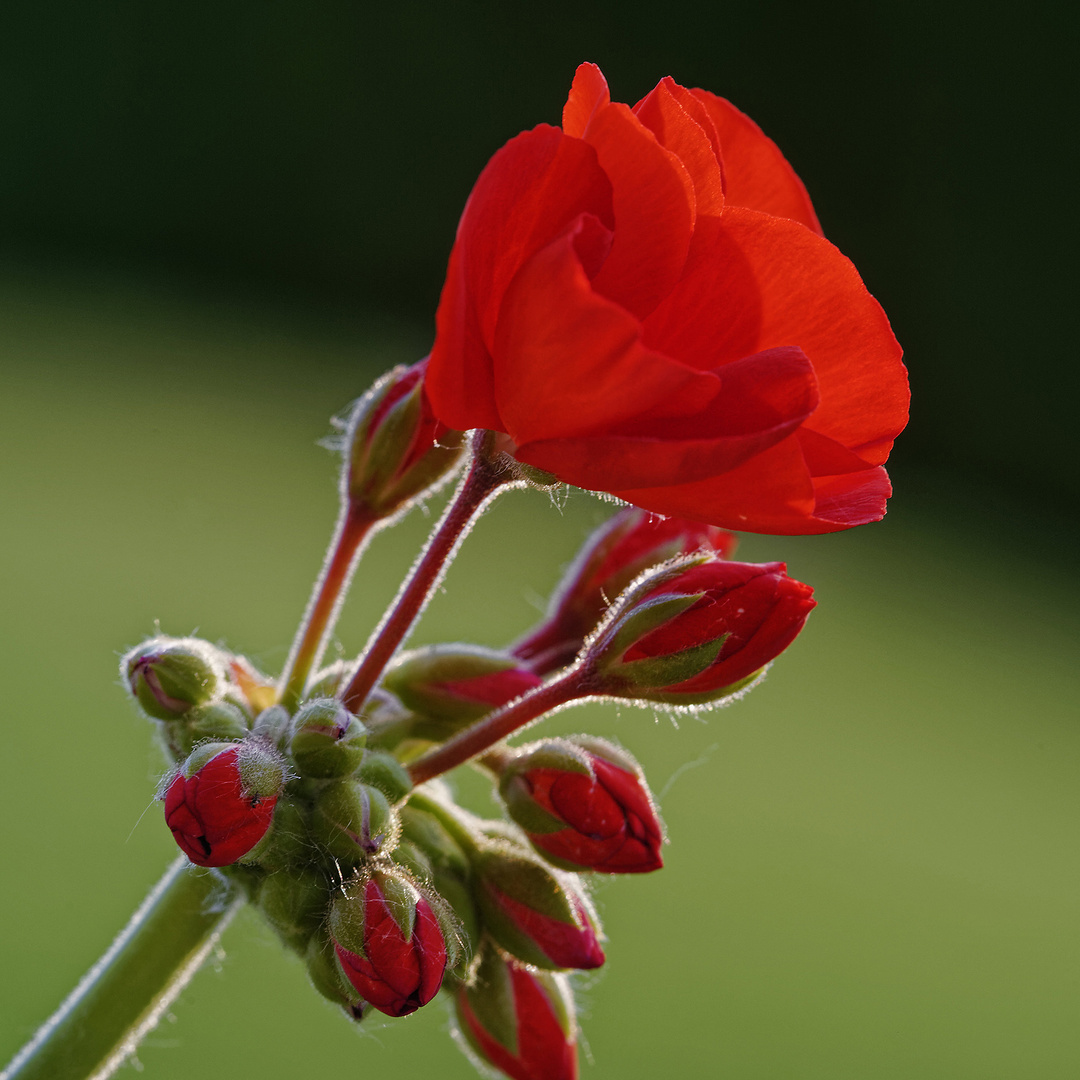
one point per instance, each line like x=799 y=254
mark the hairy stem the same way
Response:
x=124 y=995
x=483 y=481
x=355 y=527
x=499 y=724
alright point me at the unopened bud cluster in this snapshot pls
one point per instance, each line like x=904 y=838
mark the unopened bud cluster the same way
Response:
x=329 y=817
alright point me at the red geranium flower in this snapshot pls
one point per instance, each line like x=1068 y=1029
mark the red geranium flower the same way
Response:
x=643 y=301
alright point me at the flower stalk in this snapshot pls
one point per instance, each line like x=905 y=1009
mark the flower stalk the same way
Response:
x=124 y=995
x=500 y=724
x=486 y=478
x=354 y=530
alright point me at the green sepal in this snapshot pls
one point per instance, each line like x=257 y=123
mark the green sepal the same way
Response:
x=652 y=672
x=326 y=975
x=458 y=897
x=630 y=627
x=491 y=999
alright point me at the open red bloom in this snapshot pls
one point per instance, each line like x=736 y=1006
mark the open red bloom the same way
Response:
x=643 y=301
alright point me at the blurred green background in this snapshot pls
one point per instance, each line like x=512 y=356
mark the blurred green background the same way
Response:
x=219 y=222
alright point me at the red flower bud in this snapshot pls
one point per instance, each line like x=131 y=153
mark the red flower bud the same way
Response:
x=585 y=805
x=520 y=1020
x=389 y=942
x=627 y=545
x=695 y=632
x=222 y=800
x=643 y=302
x=395 y=447
x=450 y=686
x=534 y=913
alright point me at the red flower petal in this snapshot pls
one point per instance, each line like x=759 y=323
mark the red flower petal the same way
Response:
x=530 y=191
x=756 y=174
x=769 y=282
x=653 y=198
x=588 y=92
x=666 y=115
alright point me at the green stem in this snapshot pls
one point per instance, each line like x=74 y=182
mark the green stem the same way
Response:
x=124 y=995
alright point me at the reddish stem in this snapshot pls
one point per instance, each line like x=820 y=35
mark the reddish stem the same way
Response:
x=496 y=726
x=484 y=480
x=355 y=526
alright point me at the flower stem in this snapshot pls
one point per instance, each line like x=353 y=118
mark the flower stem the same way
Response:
x=484 y=480
x=499 y=724
x=355 y=527
x=124 y=995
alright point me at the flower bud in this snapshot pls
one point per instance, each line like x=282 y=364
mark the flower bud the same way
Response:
x=217 y=721
x=327 y=740
x=353 y=821
x=295 y=904
x=167 y=676
x=395 y=449
x=519 y=1020
x=274 y=724
x=221 y=802
x=535 y=913
x=385 y=772
x=389 y=942
x=428 y=833
x=450 y=686
x=585 y=805
x=696 y=631
x=627 y=545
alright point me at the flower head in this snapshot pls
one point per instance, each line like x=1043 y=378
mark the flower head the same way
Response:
x=643 y=302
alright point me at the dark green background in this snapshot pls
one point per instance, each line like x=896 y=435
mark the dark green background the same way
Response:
x=218 y=222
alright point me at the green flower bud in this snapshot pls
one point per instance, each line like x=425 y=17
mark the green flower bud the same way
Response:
x=274 y=725
x=385 y=772
x=395 y=449
x=167 y=676
x=429 y=834
x=295 y=904
x=408 y=855
x=327 y=740
x=353 y=821
x=217 y=720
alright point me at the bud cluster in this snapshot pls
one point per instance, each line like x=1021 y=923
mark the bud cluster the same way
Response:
x=319 y=800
